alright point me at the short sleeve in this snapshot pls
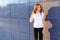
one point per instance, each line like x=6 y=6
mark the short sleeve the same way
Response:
x=42 y=14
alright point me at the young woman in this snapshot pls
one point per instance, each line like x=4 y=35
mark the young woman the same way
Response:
x=39 y=21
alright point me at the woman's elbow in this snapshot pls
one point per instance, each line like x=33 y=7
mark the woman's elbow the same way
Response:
x=30 y=21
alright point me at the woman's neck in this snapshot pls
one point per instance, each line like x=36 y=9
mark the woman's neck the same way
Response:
x=37 y=11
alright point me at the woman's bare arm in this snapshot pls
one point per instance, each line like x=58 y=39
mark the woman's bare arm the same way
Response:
x=43 y=19
x=31 y=18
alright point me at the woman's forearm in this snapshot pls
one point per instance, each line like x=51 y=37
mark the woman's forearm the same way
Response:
x=31 y=19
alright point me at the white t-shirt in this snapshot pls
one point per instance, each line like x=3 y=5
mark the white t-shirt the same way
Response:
x=38 y=23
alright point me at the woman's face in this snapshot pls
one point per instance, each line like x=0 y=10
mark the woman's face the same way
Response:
x=38 y=8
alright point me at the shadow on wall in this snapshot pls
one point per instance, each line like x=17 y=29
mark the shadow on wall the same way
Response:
x=54 y=17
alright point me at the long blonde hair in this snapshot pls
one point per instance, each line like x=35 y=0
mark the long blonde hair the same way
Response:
x=36 y=6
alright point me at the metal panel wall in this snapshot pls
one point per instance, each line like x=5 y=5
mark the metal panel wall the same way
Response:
x=14 y=19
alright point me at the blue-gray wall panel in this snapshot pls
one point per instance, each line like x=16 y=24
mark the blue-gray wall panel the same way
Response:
x=20 y=10
x=2 y=33
x=15 y=26
x=24 y=25
x=24 y=36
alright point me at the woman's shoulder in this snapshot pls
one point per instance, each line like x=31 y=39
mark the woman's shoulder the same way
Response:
x=42 y=13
